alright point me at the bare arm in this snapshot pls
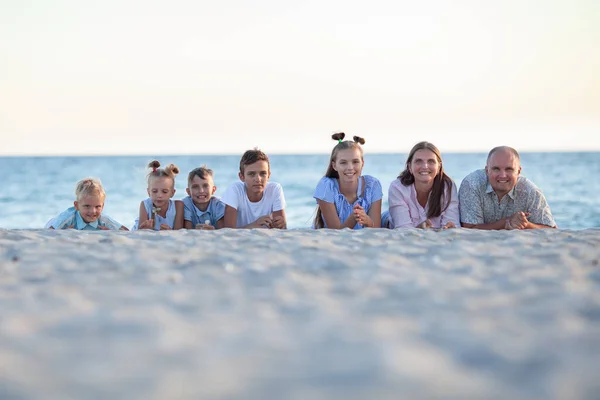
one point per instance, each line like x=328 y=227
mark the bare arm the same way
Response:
x=221 y=223
x=329 y=214
x=178 y=224
x=531 y=225
x=279 y=220
x=188 y=224
x=375 y=214
x=230 y=217
x=489 y=227
x=143 y=221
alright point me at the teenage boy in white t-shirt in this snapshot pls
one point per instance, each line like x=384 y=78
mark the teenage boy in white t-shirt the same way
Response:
x=254 y=202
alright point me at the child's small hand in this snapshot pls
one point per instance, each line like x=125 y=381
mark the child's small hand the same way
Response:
x=70 y=227
x=263 y=222
x=165 y=227
x=148 y=224
x=205 y=227
x=103 y=228
x=278 y=223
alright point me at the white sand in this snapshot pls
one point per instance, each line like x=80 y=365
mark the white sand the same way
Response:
x=302 y=314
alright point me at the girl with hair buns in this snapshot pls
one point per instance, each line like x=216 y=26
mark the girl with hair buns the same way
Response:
x=160 y=211
x=423 y=196
x=345 y=197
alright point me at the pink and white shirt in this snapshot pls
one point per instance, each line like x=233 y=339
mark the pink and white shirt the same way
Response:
x=406 y=212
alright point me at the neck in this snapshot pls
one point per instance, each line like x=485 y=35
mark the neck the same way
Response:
x=348 y=188
x=254 y=197
x=423 y=188
x=202 y=206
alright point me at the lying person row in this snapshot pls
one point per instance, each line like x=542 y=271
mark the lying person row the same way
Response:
x=423 y=196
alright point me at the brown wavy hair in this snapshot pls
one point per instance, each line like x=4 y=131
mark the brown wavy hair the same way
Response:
x=355 y=143
x=441 y=182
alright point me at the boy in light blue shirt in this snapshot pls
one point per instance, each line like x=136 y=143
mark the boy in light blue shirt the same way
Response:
x=202 y=210
x=86 y=213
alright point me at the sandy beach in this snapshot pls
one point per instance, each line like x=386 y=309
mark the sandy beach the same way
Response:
x=300 y=314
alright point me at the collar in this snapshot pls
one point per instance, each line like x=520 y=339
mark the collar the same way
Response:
x=81 y=224
x=511 y=194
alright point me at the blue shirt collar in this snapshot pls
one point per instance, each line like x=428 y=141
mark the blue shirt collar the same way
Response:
x=81 y=224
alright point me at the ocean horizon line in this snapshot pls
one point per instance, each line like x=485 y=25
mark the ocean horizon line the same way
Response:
x=318 y=153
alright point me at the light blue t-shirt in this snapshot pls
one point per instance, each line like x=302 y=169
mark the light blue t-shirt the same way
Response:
x=328 y=189
x=71 y=217
x=169 y=219
x=214 y=212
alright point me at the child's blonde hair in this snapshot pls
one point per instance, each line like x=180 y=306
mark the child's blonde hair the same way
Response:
x=169 y=171
x=89 y=187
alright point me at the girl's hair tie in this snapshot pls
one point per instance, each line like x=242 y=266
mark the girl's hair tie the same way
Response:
x=340 y=140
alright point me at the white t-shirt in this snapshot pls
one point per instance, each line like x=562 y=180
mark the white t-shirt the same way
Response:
x=247 y=212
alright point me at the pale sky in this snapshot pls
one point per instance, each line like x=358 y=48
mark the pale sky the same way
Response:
x=170 y=77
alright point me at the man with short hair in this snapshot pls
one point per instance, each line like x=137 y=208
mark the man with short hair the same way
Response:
x=497 y=197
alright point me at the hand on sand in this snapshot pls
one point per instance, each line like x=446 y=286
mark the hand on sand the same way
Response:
x=263 y=222
x=71 y=227
x=425 y=224
x=205 y=227
x=165 y=227
x=361 y=216
x=449 y=225
x=517 y=221
x=103 y=228
x=278 y=223
x=148 y=224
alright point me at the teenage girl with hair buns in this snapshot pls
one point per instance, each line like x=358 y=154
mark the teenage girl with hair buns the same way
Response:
x=345 y=197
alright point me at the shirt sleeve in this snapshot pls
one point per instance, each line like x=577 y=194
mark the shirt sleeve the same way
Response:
x=375 y=190
x=451 y=214
x=63 y=220
x=538 y=209
x=231 y=196
x=278 y=198
x=470 y=204
x=110 y=223
x=325 y=190
x=187 y=211
x=399 y=210
x=219 y=210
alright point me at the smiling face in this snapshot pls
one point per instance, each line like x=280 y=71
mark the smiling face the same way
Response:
x=201 y=190
x=503 y=169
x=255 y=177
x=161 y=189
x=90 y=207
x=424 y=166
x=348 y=164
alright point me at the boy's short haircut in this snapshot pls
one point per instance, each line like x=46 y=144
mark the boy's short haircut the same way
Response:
x=201 y=172
x=89 y=187
x=252 y=156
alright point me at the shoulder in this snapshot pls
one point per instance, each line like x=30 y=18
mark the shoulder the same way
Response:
x=397 y=186
x=274 y=186
x=475 y=180
x=371 y=181
x=328 y=184
x=527 y=187
x=67 y=217
x=216 y=202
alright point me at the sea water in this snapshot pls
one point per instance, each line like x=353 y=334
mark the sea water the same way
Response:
x=34 y=189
